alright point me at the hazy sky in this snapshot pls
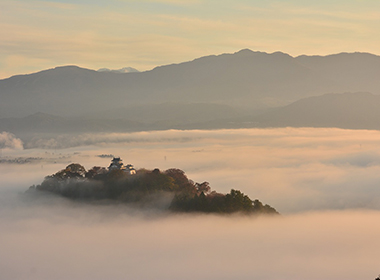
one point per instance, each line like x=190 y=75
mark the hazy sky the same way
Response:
x=146 y=33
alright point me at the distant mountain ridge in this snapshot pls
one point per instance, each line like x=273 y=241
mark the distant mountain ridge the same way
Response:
x=246 y=79
x=347 y=110
x=149 y=117
x=47 y=123
x=122 y=70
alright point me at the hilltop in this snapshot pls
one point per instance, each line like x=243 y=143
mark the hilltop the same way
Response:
x=170 y=189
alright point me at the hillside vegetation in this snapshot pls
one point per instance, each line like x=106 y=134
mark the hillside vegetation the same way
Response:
x=170 y=189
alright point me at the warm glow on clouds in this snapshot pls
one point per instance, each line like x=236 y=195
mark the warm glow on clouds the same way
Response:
x=324 y=181
x=293 y=169
x=53 y=238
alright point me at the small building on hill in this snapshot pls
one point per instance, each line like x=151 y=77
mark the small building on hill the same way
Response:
x=130 y=169
x=117 y=164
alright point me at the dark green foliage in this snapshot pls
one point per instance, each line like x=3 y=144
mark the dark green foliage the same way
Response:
x=116 y=184
x=235 y=201
x=98 y=183
x=260 y=208
x=73 y=170
x=185 y=186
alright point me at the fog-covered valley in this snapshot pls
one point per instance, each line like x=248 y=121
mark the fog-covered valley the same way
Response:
x=323 y=181
x=249 y=140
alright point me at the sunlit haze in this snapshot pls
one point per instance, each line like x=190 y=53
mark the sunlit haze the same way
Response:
x=323 y=181
x=144 y=34
x=270 y=108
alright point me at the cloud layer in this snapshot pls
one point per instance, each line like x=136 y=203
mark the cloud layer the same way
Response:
x=292 y=169
x=57 y=239
x=323 y=181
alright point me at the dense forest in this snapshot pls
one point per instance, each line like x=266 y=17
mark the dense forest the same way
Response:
x=178 y=193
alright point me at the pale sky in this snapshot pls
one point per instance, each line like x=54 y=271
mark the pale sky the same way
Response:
x=41 y=34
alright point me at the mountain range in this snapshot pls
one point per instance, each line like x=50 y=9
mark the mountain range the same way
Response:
x=246 y=88
x=122 y=70
x=347 y=110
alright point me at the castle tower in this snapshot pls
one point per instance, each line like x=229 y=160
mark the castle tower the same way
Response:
x=117 y=163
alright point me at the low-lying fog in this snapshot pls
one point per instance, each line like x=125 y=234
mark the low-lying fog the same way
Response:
x=325 y=182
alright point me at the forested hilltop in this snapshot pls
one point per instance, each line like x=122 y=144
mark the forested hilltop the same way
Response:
x=170 y=189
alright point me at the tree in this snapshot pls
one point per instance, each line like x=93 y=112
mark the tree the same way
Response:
x=203 y=187
x=185 y=185
x=76 y=168
x=260 y=208
x=99 y=183
x=238 y=201
x=95 y=172
x=73 y=170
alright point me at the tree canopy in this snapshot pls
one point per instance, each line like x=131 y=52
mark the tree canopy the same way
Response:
x=75 y=182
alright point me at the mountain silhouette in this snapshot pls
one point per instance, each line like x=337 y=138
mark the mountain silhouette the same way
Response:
x=347 y=110
x=246 y=80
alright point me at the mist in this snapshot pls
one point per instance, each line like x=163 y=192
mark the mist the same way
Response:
x=293 y=169
x=9 y=141
x=104 y=242
x=324 y=182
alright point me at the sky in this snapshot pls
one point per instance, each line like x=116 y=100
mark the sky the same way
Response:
x=323 y=181
x=38 y=34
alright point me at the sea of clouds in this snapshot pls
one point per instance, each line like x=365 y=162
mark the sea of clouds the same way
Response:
x=324 y=182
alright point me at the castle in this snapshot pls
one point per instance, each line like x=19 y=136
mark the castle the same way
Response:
x=117 y=164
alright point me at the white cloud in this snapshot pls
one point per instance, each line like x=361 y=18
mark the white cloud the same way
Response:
x=60 y=240
x=291 y=169
x=317 y=178
x=9 y=141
